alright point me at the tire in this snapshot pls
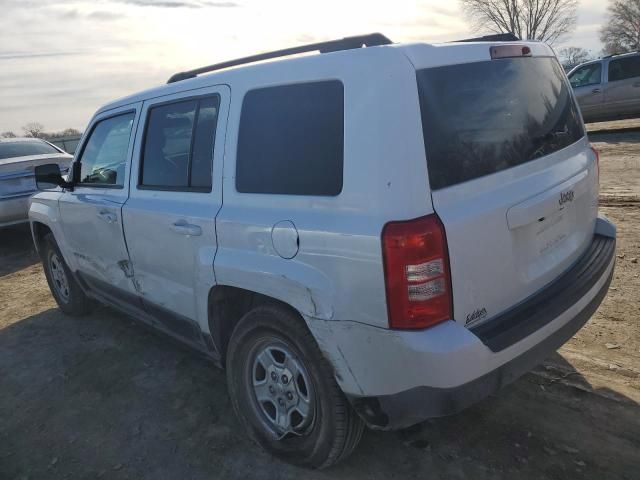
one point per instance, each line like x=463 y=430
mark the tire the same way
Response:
x=63 y=285
x=331 y=429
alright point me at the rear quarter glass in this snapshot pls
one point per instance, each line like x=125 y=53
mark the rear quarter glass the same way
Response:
x=484 y=117
x=291 y=140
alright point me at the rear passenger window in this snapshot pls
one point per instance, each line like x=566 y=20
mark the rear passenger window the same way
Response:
x=178 y=145
x=291 y=140
x=624 y=68
x=203 y=143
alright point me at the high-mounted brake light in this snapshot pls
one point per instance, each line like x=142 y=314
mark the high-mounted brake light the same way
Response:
x=417 y=277
x=509 y=51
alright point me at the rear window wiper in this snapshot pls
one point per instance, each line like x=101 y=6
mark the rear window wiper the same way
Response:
x=545 y=141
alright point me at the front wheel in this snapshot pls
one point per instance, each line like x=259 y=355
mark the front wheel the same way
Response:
x=284 y=392
x=64 y=288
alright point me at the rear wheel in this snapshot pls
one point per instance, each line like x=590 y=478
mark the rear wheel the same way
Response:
x=283 y=390
x=64 y=288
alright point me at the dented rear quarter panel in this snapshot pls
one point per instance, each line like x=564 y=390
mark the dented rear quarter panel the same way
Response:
x=337 y=273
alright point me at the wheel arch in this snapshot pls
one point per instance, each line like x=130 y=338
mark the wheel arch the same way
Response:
x=44 y=217
x=228 y=304
x=38 y=231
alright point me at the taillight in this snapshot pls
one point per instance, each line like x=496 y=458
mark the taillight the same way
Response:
x=417 y=278
x=597 y=154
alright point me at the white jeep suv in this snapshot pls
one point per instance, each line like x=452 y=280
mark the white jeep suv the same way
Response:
x=374 y=235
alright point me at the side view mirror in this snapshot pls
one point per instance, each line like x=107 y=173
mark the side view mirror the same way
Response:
x=48 y=176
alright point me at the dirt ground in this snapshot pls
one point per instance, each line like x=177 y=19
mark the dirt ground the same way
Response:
x=102 y=397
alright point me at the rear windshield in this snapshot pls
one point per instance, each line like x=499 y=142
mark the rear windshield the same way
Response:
x=481 y=118
x=24 y=148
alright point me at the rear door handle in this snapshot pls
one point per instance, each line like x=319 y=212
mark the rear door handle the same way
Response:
x=637 y=84
x=184 y=228
x=108 y=217
x=596 y=91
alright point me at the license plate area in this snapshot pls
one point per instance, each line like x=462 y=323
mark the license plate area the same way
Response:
x=545 y=244
x=550 y=232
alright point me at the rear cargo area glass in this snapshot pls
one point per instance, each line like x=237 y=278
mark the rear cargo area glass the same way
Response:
x=484 y=117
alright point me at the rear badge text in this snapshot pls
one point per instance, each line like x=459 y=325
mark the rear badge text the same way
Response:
x=566 y=197
x=478 y=314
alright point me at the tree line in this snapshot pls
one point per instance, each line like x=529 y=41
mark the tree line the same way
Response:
x=552 y=21
x=36 y=130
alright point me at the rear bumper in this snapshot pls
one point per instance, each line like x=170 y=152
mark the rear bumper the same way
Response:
x=14 y=210
x=550 y=302
x=412 y=406
x=396 y=379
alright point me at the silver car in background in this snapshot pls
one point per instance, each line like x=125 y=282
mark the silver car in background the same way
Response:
x=18 y=158
x=608 y=89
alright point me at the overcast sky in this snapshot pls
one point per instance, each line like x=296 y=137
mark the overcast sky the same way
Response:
x=61 y=60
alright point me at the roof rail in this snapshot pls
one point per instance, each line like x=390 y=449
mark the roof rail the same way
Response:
x=498 y=37
x=615 y=54
x=347 y=43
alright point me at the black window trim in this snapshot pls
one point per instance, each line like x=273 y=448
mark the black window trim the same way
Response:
x=60 y=150
x=344 y=123
x=160 y=188
x=78 y=183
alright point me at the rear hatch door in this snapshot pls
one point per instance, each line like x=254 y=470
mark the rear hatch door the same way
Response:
x=512 y=176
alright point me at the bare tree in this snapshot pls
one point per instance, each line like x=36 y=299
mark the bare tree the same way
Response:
x=67 y=132
x=8 y=134
x=572 y=56
x=546 y=20
x=33 y=129
x=621 y=33
x=71 y=131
